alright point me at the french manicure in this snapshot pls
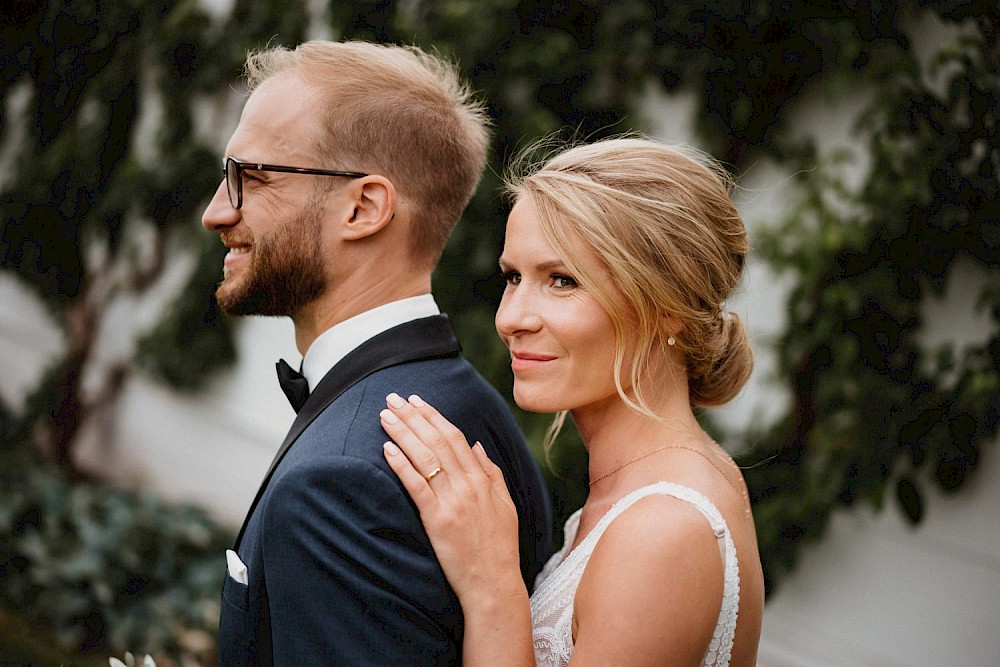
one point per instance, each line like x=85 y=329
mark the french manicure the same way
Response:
x=388 y=417
x=416 y=401
x=395 y=400
x=391 y=449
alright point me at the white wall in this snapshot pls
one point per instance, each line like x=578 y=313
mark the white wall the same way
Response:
x=878 y=591
x=211 y=448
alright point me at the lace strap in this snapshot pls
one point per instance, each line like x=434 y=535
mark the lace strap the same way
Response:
x=685 y=493
x=720 y=648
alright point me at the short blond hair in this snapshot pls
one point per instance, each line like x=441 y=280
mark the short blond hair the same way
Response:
x=399 y=112
x=661 y=221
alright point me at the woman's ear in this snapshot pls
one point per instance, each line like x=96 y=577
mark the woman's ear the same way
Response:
x=374 y=207
x=673 y=325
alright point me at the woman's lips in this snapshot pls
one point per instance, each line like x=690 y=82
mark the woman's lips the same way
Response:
x=520 y=361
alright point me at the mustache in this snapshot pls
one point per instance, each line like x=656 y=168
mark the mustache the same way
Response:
x=229 y=238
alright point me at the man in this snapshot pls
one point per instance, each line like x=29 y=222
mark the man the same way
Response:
x=349 y=167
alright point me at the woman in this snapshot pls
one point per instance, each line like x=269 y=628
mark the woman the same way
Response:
x=618 y=258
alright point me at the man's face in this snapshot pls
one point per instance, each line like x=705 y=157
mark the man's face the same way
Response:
x=276 y=272
x=275 y=264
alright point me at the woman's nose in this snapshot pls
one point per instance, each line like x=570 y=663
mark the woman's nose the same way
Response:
x=518 y=312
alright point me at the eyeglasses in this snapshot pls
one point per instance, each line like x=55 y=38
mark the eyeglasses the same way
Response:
x=233 y=170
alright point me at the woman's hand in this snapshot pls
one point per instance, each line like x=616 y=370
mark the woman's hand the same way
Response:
x=463 y=502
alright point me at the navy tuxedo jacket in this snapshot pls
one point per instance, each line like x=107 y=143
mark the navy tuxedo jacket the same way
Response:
x=340 y=570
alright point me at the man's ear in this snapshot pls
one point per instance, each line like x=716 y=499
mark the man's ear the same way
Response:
x=374 y=207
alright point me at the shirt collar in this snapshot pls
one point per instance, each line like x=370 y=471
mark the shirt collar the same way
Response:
x=341 y=339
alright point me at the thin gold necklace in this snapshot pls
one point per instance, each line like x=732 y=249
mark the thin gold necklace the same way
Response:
x=704 y=455
x=638 y=458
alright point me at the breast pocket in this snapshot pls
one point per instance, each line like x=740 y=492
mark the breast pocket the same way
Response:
x=236 y=594
x=235 y=625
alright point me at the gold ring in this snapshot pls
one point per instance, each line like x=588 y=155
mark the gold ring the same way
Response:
x=433 y=473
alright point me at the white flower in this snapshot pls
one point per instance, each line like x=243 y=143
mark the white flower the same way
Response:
x=147 y=661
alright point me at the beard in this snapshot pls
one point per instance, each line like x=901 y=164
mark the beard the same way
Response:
x=286 y=272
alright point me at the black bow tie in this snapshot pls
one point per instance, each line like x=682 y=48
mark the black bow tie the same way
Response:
x=293 y=383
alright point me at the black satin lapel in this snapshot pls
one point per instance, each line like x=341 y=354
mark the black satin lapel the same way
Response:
x=418 y=340
x=427 y=338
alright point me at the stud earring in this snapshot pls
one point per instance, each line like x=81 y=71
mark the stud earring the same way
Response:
x=671 y=341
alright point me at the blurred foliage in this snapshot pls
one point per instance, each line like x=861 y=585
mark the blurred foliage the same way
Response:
x=96 y=570
x=108 y=176
x=109 y=165
x=875 y=411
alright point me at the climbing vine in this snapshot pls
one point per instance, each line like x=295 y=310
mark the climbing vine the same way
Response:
x=875 y=411
x=105 y=175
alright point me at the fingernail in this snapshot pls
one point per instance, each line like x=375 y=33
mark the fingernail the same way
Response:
x=395 y=400
x=416 y=401
x=388 y=417
x=391 y=449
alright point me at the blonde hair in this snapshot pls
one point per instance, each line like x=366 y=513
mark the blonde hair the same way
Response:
x=667 y=233
x=395 y=111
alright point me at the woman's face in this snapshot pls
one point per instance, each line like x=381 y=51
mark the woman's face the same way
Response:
x=561 y=341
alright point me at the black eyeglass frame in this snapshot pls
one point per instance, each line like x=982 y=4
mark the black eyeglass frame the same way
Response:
x=239 y=166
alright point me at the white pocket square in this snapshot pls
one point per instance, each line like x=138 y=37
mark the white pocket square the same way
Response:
x=237 y=570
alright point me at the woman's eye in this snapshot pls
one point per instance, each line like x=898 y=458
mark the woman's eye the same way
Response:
x=511 y=277
x=563 y=281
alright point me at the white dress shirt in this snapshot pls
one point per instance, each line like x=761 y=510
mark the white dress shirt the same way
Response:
x=341 y=339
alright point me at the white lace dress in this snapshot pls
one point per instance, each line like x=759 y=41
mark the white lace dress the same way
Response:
x=555 y=587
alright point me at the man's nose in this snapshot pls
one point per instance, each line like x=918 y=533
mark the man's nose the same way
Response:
x=220 y=214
